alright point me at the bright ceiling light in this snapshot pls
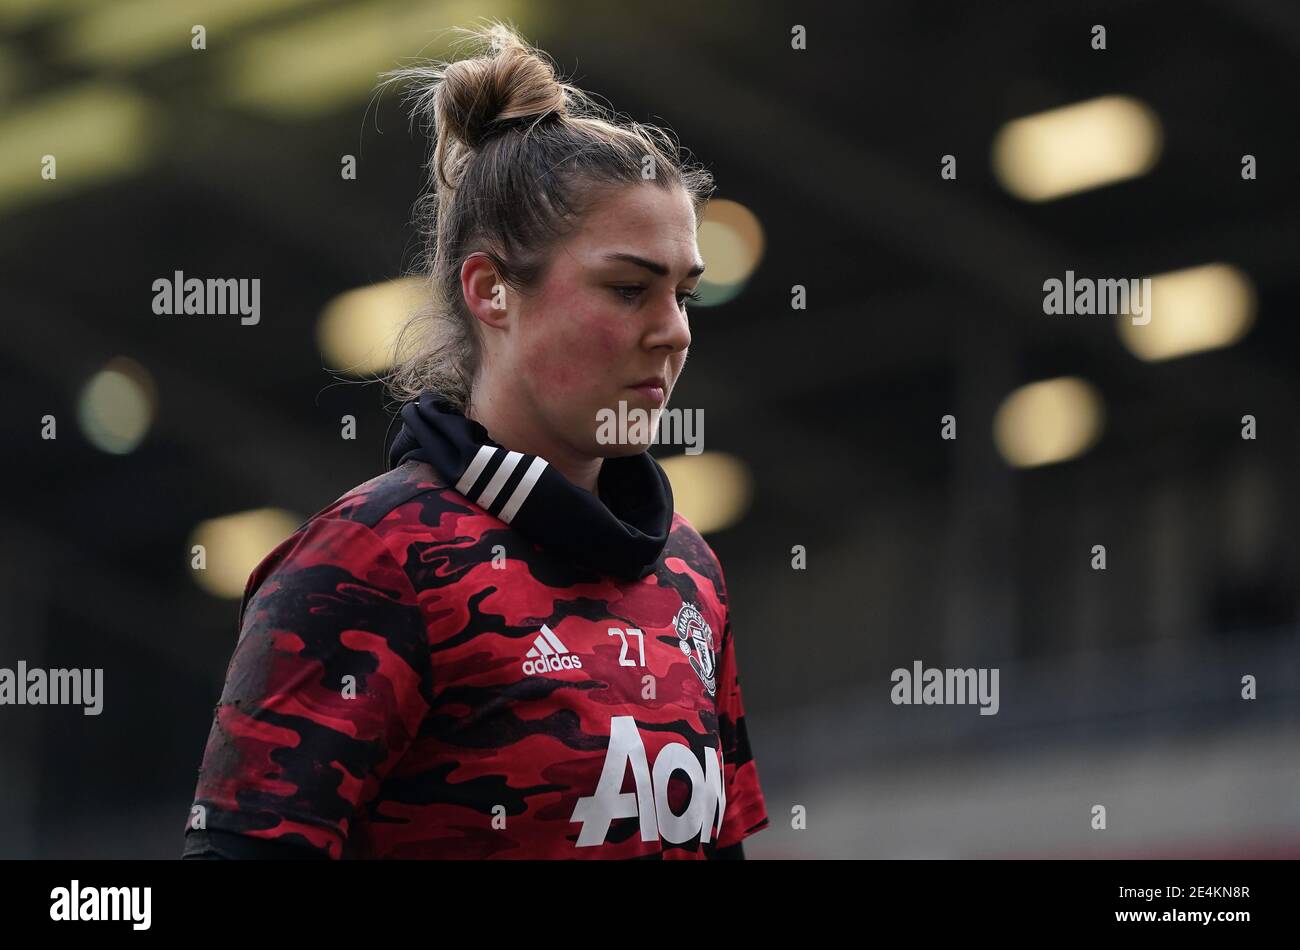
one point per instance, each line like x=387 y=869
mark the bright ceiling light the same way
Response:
x=18 y=14
x=135 y=32
x=117 y=406
x=233 y=546
x=1048 y=421
x=711 y=490
x=334 y=58
x=93 y=132
x=1191 y=310
x=358 y=329
x=731 y=242
x=1076 y=148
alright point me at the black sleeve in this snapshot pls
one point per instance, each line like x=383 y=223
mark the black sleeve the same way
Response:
x=213 y=845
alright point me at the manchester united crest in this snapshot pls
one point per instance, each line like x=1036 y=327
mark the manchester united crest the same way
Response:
x=696 y=640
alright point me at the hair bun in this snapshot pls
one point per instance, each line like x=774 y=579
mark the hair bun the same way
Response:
x=506 y=87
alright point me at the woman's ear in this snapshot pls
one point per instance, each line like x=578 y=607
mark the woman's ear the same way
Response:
x=485 y=293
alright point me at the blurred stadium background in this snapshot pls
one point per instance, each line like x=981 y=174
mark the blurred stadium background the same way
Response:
x=924 y=298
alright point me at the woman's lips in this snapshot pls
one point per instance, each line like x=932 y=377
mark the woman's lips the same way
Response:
x=653 y=392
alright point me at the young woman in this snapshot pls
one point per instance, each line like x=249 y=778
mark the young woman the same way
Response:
x=508 y=645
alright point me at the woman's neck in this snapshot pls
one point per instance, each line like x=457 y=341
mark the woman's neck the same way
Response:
x=517 y=435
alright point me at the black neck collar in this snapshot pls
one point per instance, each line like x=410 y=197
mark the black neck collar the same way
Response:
x=621 y=530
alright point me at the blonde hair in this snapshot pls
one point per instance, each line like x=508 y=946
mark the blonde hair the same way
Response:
x=518 y=155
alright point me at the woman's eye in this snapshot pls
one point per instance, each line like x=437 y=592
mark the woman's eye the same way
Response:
x=631 y=293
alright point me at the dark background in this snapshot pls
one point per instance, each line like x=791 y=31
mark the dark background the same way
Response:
x=1119 y=687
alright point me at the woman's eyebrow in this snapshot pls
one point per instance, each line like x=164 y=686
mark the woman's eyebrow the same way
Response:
x=652 y=266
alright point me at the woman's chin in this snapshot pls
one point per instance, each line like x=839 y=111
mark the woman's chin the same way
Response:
x=622 y=450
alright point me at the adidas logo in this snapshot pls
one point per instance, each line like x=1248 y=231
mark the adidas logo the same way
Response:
x=549 y=654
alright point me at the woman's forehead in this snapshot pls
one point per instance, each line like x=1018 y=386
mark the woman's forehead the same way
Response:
x=658 y=228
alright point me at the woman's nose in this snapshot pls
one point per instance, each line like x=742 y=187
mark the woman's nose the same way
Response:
x=672 y=328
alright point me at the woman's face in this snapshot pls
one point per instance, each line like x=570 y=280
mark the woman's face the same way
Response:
x=609 y=314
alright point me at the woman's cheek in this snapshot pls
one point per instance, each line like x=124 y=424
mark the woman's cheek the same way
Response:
x=562 y=378
x=603 y=342
x=590 y=355
x=576 y=361
x=562 y=369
